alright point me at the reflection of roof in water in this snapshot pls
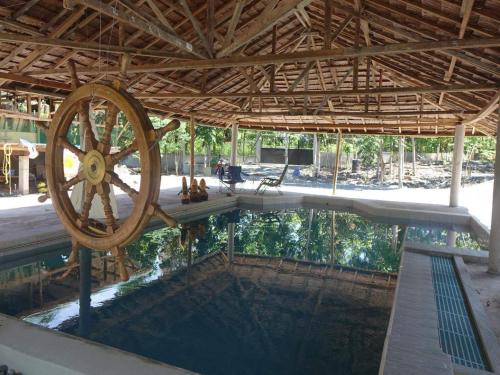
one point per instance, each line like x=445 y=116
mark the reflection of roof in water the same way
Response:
x=284 y=316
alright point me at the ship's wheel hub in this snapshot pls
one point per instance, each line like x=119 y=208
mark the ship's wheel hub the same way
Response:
x=94 y=167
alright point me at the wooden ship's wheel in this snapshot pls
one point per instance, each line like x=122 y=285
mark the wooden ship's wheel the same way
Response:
x=96 y=172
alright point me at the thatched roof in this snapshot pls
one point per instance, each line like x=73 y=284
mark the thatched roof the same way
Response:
x=416 y=67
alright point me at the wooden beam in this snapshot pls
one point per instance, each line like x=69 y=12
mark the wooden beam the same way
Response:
x=301 y=76
x=35 y=81
x=304 y=56
x=137 y=21
x=345 y=126
x=328 y=25
x=485 y=112
x=86 y=46
x=238 y=7
x=341 y=27
x=196 y=26
x=328 y=114
x=158 y=13
x=465 y=12
x=267 y=19
x=317 y=93
x=21 y=11
x=56 y=33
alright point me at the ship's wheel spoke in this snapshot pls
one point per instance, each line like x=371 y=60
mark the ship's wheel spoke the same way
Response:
x=88 y=197
x=73 y=181
x=63 y=142
x=105 y=144
x=104 y=190
x=123 y=153
x=113 y=178
x=88 y=132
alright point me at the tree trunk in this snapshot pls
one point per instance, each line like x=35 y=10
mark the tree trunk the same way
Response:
x=205 y=157
x=176 y=162
x=381 y=162
x=258 y=147
x=209 y=153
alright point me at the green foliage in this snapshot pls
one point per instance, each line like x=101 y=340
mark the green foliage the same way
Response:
x=483 y=147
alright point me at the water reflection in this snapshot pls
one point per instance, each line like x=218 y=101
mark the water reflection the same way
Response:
x=234 y=302
x=328 y=237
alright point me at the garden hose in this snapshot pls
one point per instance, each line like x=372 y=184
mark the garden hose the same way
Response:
x=6 y=169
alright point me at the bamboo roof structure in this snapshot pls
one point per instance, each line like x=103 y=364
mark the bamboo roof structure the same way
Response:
x=389 y=67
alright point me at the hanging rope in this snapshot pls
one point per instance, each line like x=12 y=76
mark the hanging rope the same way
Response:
x=6 y=169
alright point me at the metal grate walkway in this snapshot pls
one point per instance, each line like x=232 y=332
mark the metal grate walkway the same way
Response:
x=456 y=333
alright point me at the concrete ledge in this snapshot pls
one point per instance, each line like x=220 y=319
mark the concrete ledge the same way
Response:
x=486 y=335
x=390 y=212
x=481 y=230
x=412 y=341
x=38 y=351
x=472 y=256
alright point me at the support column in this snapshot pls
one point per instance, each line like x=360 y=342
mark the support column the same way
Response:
x=191 y=150
x=456 y=172
x=338 y=153
x=494 y=245
x=315 y=154
x=401 y=161
x=24 y=175
x=451 y=238
x=234 y=144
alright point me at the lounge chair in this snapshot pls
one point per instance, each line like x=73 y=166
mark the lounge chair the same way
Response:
x=272 y=182
x=234 y=177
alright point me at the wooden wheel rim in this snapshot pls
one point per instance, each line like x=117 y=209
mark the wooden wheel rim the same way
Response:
x=144 y=135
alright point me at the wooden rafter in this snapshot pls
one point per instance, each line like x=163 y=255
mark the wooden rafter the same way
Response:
x=335 y=53
x=269 y=17
x=137 y=21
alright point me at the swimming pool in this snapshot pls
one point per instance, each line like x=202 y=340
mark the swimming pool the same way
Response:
x=297 y=290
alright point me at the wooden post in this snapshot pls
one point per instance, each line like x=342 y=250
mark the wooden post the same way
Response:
x=456 y=171
x=338 y=153
x=494 y=245
x=286 y=148
x=401 y=161
x=414 y=156
x=191 y=149
x=28 y=104
x=39 y=106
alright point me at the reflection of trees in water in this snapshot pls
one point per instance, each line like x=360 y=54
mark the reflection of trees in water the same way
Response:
x=316 y=235
x=308 y=234
x=439 y=236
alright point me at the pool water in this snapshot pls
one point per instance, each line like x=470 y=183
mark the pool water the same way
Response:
x=297 y=291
